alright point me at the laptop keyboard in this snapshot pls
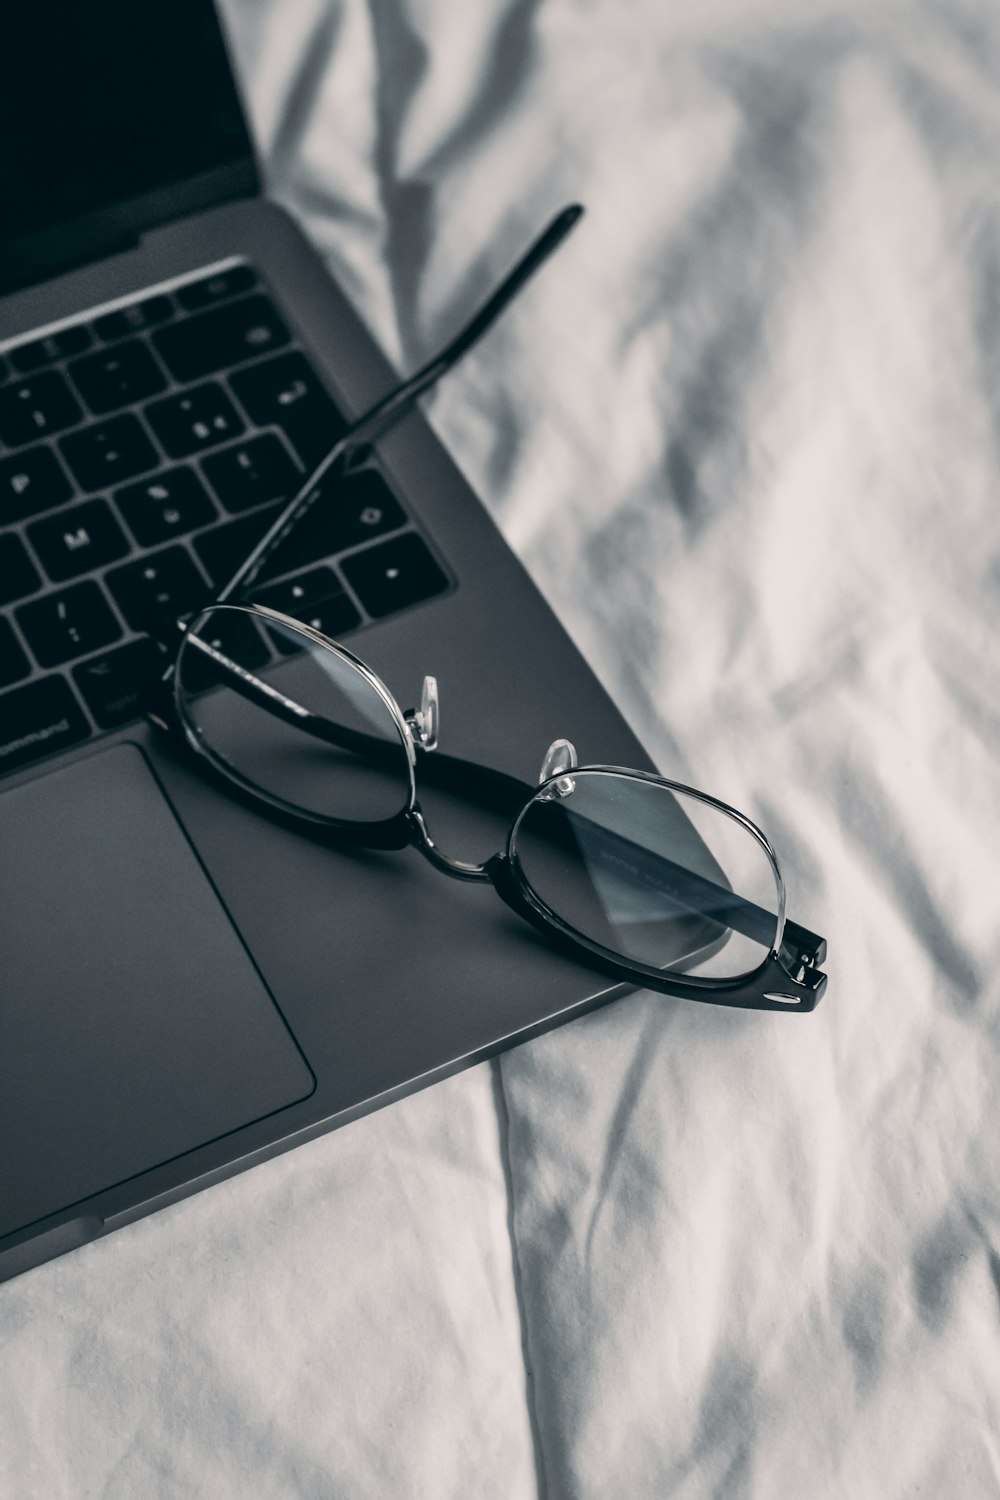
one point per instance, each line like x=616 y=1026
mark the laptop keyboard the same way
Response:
x=143 y=452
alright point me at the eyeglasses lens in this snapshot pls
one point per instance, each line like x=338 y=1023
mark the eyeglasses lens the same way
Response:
x=312 y=732
x=649 y=874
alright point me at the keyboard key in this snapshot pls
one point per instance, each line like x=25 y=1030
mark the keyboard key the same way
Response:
x=117 y=377
x=216 y=288
x=201 y=418
x=29 y=357
x=33 y=409
x=234 y=634
x=283 y=392
x=296 y=594
x=353 y=511
x=225 y=336
x=394 y=574
x=77 y=540
x=252 y=472
x=109 y=452
x=222 y=549
x=333 y=616
x=33 y=481
x=53 y=347
x=158 y=590
x=316 y=598
x=18 y=574
x=13 y=663
x=68 y=624
x=145 y=314
x=168 y=505
x=356 y=509
x=37 y=720
x=113 y=685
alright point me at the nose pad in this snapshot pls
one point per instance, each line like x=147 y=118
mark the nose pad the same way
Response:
x=426 y=721
x=560 y=756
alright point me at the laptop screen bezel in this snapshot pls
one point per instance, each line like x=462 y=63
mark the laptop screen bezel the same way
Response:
x=42 y=253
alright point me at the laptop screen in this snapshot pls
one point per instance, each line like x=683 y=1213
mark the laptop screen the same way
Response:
x=105 y=101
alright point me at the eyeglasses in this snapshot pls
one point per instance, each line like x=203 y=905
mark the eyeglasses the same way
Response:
x=652 y=882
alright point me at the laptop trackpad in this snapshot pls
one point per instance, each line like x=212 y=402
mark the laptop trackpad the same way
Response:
x=133 y=1023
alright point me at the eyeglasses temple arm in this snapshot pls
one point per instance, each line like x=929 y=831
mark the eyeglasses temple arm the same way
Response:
x=387 y=410
x=707 y=898
x=264 y=693
x=482 y=784
x=368 y=427
x=703 y=897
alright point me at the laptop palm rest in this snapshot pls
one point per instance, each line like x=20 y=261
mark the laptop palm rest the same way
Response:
x=138 y=1027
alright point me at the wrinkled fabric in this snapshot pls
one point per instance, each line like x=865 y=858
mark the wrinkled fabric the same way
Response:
x=341 y=1321
x=744 y=431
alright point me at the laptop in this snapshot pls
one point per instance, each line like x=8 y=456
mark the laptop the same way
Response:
x=188 y=987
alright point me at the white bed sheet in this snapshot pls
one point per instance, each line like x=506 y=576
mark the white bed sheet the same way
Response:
x=745 y=433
